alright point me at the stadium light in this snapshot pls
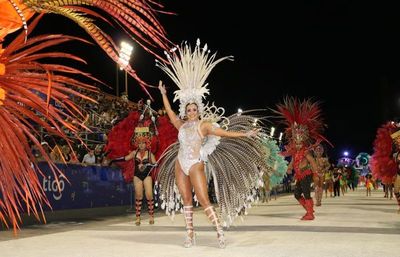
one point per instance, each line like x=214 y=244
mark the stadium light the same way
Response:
x=123 y=61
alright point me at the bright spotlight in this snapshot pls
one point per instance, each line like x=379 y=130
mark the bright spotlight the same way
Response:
x=125 y=55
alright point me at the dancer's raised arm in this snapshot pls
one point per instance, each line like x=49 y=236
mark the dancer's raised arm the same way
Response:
x=171 y=114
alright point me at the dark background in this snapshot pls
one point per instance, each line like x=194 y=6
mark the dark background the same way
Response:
x=342 y=53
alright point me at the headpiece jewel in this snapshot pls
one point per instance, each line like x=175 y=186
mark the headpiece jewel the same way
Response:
x=142 y=134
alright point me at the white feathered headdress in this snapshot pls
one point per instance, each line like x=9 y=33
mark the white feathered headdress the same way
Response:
x=189 y=70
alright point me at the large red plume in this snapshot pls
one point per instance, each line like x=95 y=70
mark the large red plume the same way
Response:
x=167 y=135
x=31 y=85
x=119 y=143
x=138 y=20
x=383 y=165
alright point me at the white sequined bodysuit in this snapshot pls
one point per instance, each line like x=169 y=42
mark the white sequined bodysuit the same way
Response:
x=190 y=145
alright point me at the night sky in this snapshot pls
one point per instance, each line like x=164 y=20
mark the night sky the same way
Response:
x=342 y=53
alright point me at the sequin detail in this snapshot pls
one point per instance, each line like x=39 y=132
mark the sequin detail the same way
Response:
x=189 y=145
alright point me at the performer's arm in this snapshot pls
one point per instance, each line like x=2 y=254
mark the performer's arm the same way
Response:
x=210 y=129
x=124 y=158
x=171 y=114
x=313 y=163
x=152 y=158
x=130 y=155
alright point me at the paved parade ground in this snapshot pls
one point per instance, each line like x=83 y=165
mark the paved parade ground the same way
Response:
x=350 y=225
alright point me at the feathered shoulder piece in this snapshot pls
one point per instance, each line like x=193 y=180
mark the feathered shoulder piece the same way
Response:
x=189 y=69
x=302 y=119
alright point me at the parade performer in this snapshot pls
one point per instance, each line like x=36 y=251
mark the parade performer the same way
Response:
x=278 y=168
x=359 y=168
x=362 y=163
x=140 y=139
x=276 y=161
x=120 y=139
x=396 y=179
x=385 y=158
x=304 y=126
x=228 y=149
x=144 y=162
x=323 y=167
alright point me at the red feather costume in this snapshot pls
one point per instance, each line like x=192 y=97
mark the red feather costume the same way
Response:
x=383 y=165
x=304 y=127
x=385 y=160
x=120 y=141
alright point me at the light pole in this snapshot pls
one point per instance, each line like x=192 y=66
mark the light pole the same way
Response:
x=124 y=57
x=126 y=83
x=117 y=80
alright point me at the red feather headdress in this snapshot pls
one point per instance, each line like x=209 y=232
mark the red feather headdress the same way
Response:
x=302 y=120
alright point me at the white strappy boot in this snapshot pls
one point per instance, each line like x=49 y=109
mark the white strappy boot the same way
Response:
x=190 y=239
x=212 y=216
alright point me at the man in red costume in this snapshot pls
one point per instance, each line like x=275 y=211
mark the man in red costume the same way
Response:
x=303 y=123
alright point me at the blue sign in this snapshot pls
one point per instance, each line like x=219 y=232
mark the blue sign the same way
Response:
x=88 y=187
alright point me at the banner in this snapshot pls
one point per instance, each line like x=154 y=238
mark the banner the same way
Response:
x=88 y=187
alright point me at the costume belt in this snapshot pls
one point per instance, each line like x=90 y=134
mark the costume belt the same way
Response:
x=301 y=174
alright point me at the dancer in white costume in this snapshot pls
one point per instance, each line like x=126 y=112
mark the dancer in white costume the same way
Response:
x=228 y=149
x=190 y=144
